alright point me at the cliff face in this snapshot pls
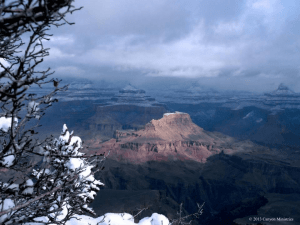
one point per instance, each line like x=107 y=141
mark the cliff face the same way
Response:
x=173 y=137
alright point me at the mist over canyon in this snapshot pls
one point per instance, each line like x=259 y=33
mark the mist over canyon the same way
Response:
x=236 y=151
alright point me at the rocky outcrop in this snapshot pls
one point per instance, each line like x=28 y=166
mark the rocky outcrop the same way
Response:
x=173 y=137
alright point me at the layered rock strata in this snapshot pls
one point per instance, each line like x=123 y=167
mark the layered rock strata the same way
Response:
x=173 y=137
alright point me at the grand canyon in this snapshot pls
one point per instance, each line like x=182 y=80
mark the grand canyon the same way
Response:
x=173 y=112
x=238 y=154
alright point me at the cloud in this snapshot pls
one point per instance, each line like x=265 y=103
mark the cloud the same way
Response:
x=68 y=71
x=56 y=53
x=143 y=17
x=61 y=40
x=198 y=38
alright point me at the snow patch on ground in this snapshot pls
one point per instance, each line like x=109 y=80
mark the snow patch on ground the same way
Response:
x=248 y=115
x=110 y=219
x=119 y=219
x=259 y=120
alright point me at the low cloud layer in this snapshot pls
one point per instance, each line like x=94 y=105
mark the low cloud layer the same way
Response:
x=254 y=40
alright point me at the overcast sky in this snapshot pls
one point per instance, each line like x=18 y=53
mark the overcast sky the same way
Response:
x=227 y=44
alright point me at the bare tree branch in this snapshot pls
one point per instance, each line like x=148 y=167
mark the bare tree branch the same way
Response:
x=46 y=175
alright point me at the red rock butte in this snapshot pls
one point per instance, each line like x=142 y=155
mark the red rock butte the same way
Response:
x=173 y=137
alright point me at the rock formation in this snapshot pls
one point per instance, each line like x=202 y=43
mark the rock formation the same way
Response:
x=281 y=90
x=173 y=137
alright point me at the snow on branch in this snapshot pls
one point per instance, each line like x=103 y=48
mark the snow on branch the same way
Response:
x=65 y=188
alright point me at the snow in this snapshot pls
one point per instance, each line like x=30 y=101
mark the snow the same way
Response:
x=29 y=183
x=87 y=195
x=59 y=215
x=82 y=219
x=86 y=181
x=76 y=140
x=28 y=191
x=43 y=219
x=259 y=120
x=4 y=205
x=248 y=115
x=14 y=187
x=98 y=182
x=155 y=219
x=8 y=203
x=37 y=174
x=65 y=135
x=8 y=161
x=176 y=112
x=65 y=128
x=94 y=187
x=74 y=163
x=87 y=186
x=48 y=100
x=119 y=219
x=5 y=123
x=32 y=107
x=76 y=143
x=85 y=174
x=107 y=219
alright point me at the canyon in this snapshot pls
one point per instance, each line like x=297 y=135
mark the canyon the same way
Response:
x=172 y=160
x=237 y=152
